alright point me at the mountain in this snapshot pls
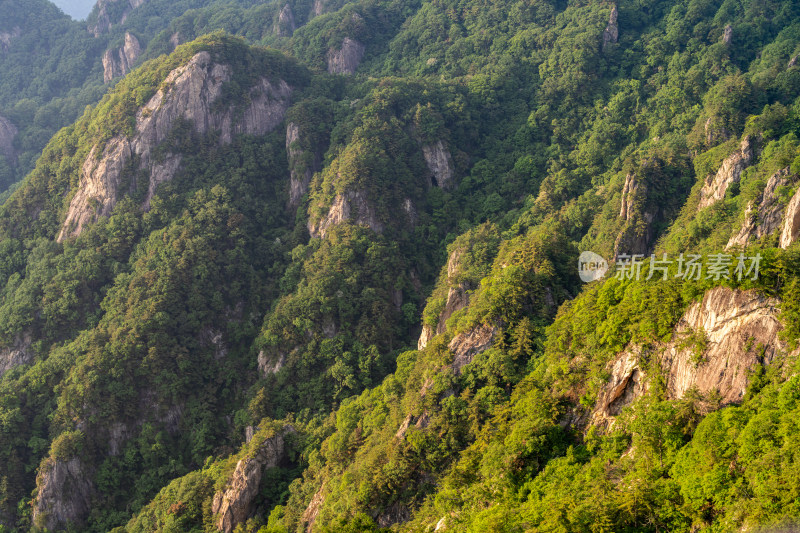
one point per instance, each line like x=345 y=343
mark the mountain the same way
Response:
x=317 y=266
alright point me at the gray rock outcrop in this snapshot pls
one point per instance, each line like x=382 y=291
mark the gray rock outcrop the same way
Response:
x=727 y=35
x=270 y=365
x=302 y=165
x=627 y=382
x=465 y=346
x=716 y=185
x=346 y=59
x=19 y=353
x=791 y=222
x=440 y=164
x=350 y=206
x=457 y=299
x=739 y=331
x=764 y=218
x=105 y=15
x=285 y=24
x=175 y=40
x=6 y=37
x=8 y=132
x=64 y=494
x=189 y=94
x=235 y=503
x=637 y=232
x=311 y=512
x=120 y=61
x=611 y=33
x=319 y=7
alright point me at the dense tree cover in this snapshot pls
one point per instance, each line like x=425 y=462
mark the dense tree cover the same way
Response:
x=158 y=336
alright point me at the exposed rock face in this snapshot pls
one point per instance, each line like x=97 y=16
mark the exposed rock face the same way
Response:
x=191 y=91
x=715 y=132
x=19 y=353
x=175 y=40
x=791 y=222
x=741 y=328
x=346 y=59
x=626 y=384
x=766 y=218
x=64 y=494
x=740 y=331
x=302 y=165
x=104 y=20
x=397 y=513
x=440 y=163
x=457 y=299
x=792 y=62
x=270 y=366
x=730 y=172
x=234 y=505
x=629 y=191
x=637 y=229
x=312 y=511
x=425 y=336
x=7 y=36
x=727 y=35
x=352 y=206
x=465 y=346
x=611 y=33
x=8 y=132
x=318 y=8
x=420 y=422
x=285 y=25
x=120 y=61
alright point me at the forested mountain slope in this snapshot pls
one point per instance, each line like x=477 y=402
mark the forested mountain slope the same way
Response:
x=331 y=284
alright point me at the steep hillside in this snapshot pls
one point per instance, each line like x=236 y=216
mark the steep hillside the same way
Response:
x=333 y=285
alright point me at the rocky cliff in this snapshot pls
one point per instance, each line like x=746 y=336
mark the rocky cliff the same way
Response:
x=716 y=185
x=235 y=504
x=346 y=59
x=440 y=164
x=352 y=206
x=6 y=37
x=611 y=33
x=465 y=346
x=636 y=218
x=285 y=24
x=457 y=299
x=764 y=217
x=8 y=132
x=120 y=61
x=715 y=346
x=302 y=165
x=791 y=222
x=19 y=353
x=64 y=494
x=106 y=14
x=188 y=93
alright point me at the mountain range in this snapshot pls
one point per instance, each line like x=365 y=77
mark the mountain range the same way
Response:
x=322 y=266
